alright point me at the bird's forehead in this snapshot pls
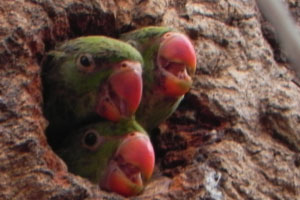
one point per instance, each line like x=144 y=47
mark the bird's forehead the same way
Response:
x=102 y=55
x=147 y=33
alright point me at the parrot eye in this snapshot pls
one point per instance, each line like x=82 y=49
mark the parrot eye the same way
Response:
x=85 y=63
x=123 y=65
x=91 y=140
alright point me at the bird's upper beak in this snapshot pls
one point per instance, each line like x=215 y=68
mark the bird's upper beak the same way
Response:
x=131 y=166
x=121 y=96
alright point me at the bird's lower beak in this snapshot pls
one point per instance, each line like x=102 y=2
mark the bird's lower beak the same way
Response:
x=122 y=95
x=131 y=166
x=177 y=62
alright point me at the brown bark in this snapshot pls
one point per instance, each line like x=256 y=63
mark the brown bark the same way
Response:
x=235 y=136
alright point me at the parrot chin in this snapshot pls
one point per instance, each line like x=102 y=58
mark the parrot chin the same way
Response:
x=121 y=96
x=176 y=61
x=131 y=166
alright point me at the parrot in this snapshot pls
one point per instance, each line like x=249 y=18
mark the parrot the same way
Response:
x=169 y=65
x=88 y=79
x=119 y=157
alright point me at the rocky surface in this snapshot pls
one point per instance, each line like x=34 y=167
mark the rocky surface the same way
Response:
x=235 y=136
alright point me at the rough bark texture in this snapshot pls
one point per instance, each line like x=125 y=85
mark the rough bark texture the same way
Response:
x=235 y=136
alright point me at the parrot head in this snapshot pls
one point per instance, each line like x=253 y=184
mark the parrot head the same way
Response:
x=95 y=74
x=118 y=157
x=171 y=56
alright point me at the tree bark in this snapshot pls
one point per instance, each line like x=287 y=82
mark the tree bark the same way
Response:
x=236 y=135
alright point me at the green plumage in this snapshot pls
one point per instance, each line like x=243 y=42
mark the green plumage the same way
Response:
x=154 y=107
x=70 y=88
x=91 y=162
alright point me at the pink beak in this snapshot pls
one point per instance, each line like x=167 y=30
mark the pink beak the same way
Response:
x=177 y=59
x=131 y=166
x=124 y=92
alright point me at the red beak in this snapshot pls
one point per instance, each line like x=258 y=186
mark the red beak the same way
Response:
x=122 y=95
x=131 y=166
x=177 y=61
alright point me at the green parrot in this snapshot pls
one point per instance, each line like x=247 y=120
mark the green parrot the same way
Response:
x=169 y=64
x=119 y=157
x=89 y=78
